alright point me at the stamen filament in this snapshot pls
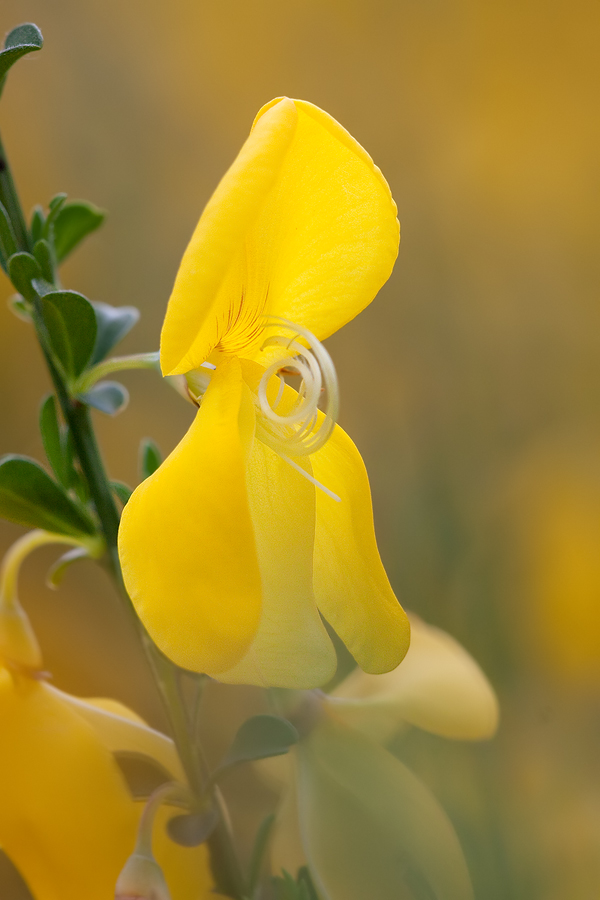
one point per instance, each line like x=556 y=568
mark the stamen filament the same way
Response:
x=311 y=478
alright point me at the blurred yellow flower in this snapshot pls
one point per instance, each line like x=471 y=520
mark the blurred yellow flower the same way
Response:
x=438 y=687
x=351 y=811
x=234 y=547
x=67 y=819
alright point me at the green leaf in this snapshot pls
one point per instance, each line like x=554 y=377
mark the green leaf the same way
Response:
x=71 y=323
x=54 y=208
x=53 y=441
x=259 y=737
x=20 y=307
x=43 y=254
x=122 y=491
x=25 y=273
x=369 y=827
x=287 y=888
x=150 y=458
x=109 y=397
x=258 y=852
x=29 y=497
x=8 y=242
x=21 y=40
x=305 y=881
x=193 y=829
x=114 y=322
x=57 y=201
x=37 y=223
x=73 y=222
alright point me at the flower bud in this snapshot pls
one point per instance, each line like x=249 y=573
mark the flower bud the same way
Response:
x=141 y=879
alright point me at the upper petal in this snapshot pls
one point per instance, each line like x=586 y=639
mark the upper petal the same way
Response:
x=302 y=226
x=193 y=326
x=332 y=224
x=186 y=540
x=351 y=586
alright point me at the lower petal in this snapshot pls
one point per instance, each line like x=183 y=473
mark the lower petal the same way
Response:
x=292 y=648
x=351 y=586
x=186 y=540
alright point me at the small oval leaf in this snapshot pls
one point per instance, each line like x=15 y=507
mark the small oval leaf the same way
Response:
x=150 y=457
x=122 y=491
x=260 y=737
x=21 y=40
x=20 y=307
x=23 y=269
x=37 y=223
x=71 y=323
x=113 y=323
x=29 y=497
x=73 y=222
x=43 y=254
x=109 y=397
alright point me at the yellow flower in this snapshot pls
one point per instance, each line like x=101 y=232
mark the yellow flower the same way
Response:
x=67 y=819
x=261 y=518
x=353 y=813
x=438 y=687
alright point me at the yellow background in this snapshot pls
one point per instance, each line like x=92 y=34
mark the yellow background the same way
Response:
x=471 y=385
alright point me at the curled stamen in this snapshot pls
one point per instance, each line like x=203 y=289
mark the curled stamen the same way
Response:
x=297 y=431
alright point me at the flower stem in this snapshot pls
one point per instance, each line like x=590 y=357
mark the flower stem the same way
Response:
x=116 y=364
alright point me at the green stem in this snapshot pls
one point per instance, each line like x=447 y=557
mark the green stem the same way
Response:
x=10 y=200
x=226 y=867
x=116 y=364
x=228 y=874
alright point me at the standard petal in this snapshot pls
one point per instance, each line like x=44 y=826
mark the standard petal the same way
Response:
x=327 y=234
x=197 y=315
x=186 y=540
x=351 y=586
x=292 y=648
x=438 y=687
x=302 y=226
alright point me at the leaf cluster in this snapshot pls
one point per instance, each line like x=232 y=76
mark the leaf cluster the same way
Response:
x=299 y=888
x=76 y=335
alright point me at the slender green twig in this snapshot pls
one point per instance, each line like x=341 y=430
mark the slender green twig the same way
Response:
x=115 y=364
x=10 y=201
